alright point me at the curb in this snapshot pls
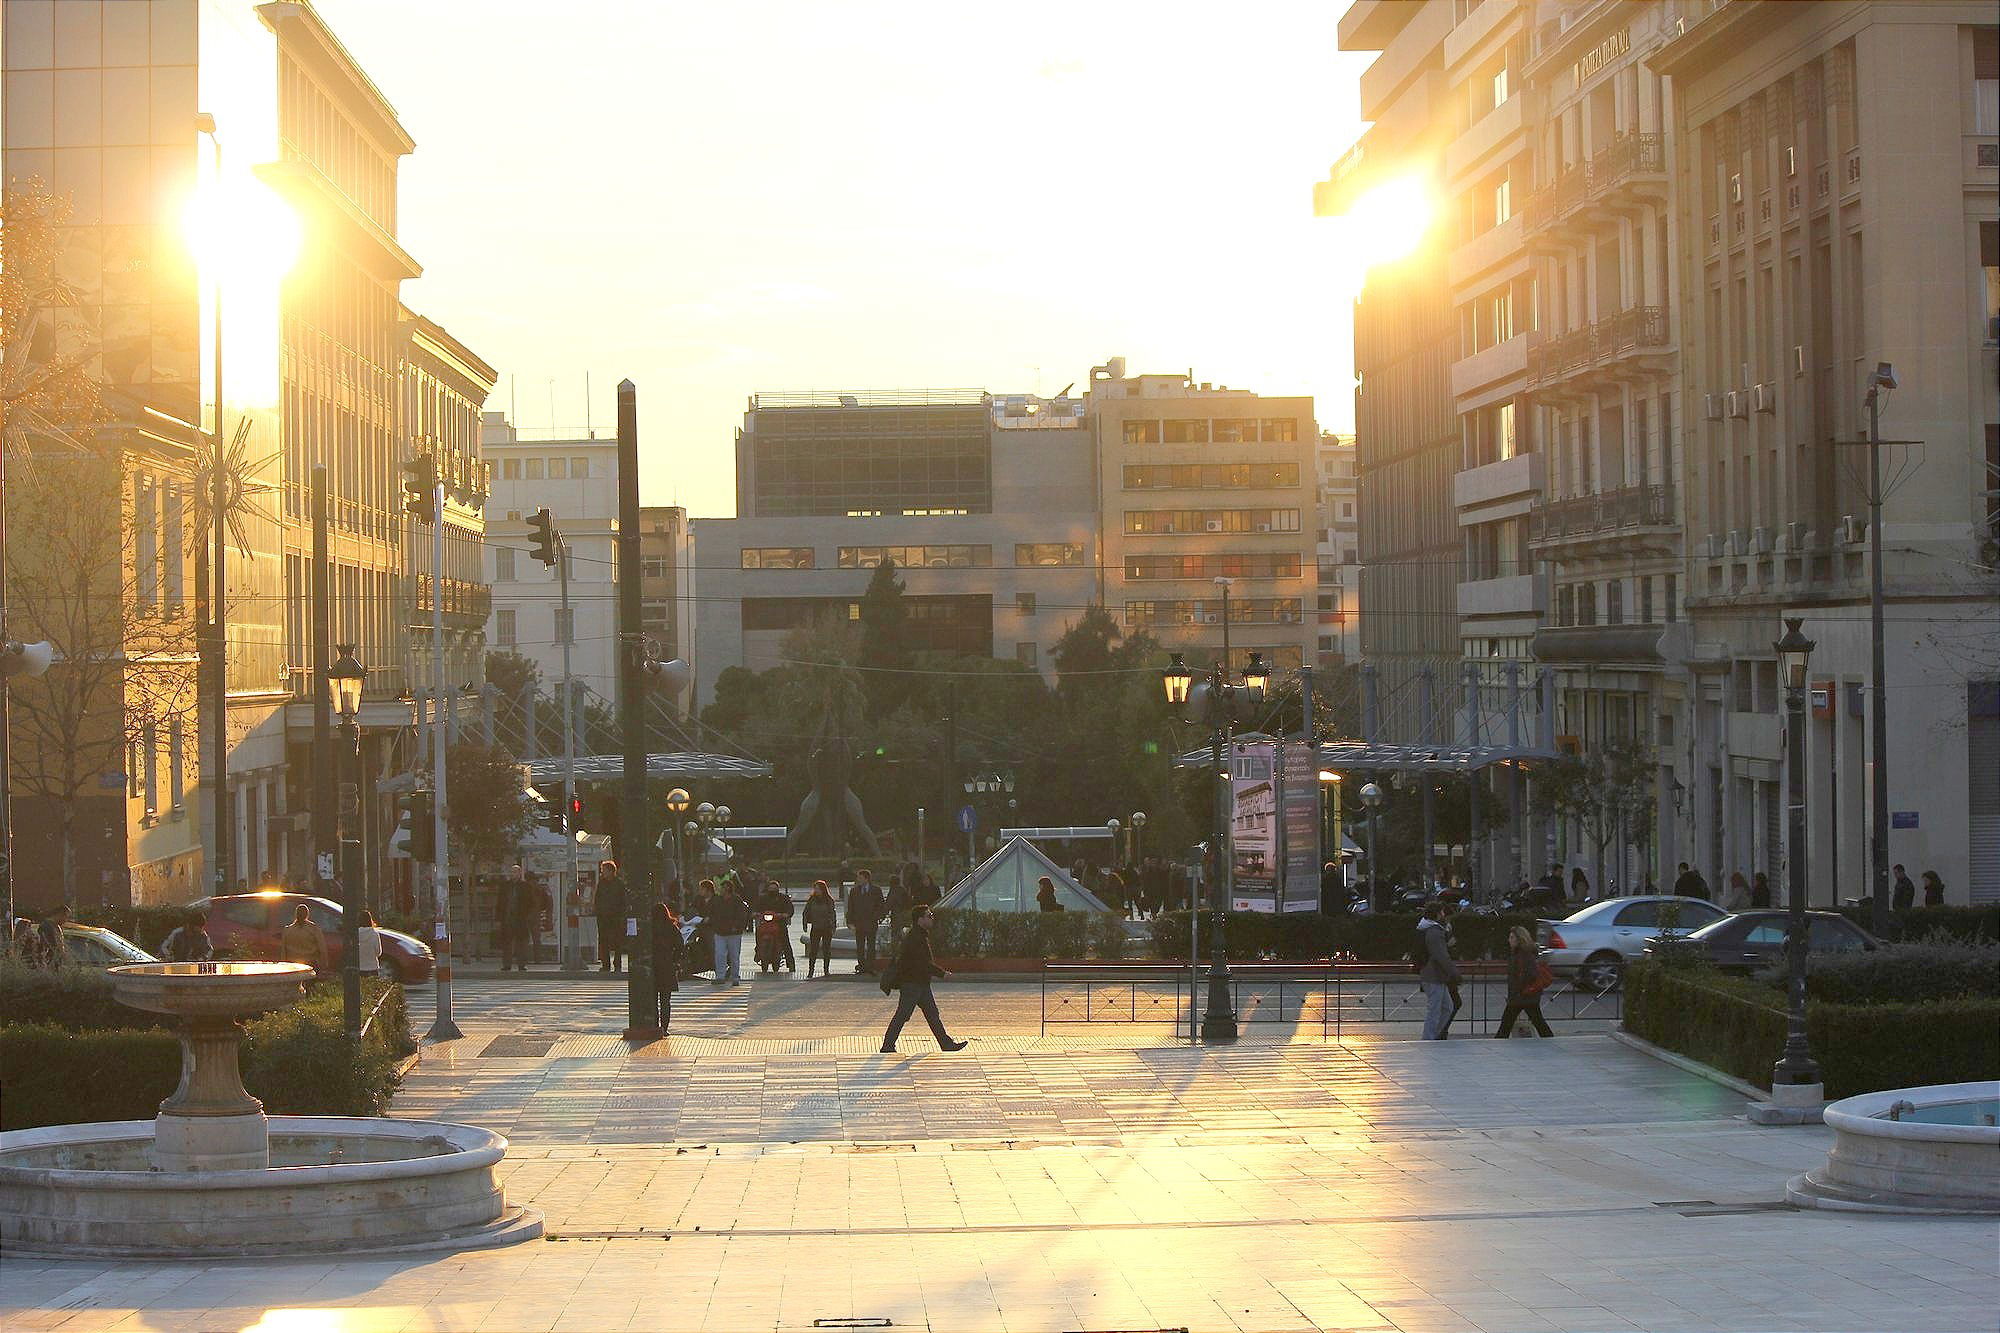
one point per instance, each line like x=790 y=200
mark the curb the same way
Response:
x=1736 y=1085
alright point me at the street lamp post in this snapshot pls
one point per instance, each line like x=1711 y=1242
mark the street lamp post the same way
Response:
x=677 y=805
x=1795 y=1069
x=1218 y=700
x=344 y=680
x=1371 y=796
x=1138 y=831
x=217 y=639
x=1881 y=380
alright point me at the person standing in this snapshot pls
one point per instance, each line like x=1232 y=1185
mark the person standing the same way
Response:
x=864 y=915
x=1689 y=883
x=1579 y=885
x=1905 y=896
x=512 y=907
x=1760 y=890
x=304 y=942
x=819 y=921
x=1933 y=889
x=668 y=948
x=1436 y=971
x=189 y=942
x=1525 y=984
x=1736 y=896
x=1045 y=895
x=912 y=973
x=899 y=901
x=728 y=921
x=610 y=910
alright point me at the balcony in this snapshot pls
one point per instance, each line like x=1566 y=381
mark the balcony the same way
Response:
x=1631 y=344
x=1476 y=489
x=1485 y=252
x=466 y=604
x=1511 y=595
x=1629 y=518
x=1630 y=171
x=1498 y=364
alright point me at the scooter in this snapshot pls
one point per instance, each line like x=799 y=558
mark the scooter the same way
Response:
x=770 y=941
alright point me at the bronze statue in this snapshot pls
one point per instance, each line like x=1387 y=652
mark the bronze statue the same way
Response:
x=831 y=808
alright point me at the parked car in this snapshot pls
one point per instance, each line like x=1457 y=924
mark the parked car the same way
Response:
x=249 y=924
x=1594 y=944
x=1749 y=941
x=94 y=946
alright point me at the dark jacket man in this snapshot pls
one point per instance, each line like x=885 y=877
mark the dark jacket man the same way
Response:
x=611 y=905
x=864 y=913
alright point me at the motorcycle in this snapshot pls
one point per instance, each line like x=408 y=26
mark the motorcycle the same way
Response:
x=770 y=941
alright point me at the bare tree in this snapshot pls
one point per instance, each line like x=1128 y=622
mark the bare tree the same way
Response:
x=1597 y=791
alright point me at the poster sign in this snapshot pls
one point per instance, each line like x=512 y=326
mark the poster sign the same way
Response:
x=1253 y=827
x=1902 y=819
x=1300 y=825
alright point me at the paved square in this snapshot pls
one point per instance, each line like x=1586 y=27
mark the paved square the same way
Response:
x=768 y=1176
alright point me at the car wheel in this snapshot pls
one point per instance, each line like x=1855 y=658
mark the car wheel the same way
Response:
x=1600 y=972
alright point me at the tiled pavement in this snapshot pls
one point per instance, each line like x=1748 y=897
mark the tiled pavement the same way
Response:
x=1464 y=1186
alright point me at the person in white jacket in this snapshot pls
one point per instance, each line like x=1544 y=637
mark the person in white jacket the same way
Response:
x=368 y=939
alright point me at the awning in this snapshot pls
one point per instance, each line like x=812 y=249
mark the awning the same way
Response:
x=1382 y=757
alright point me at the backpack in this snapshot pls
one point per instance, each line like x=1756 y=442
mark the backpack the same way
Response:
x=1420 y=950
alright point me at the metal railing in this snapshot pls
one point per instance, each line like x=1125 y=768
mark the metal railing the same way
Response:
x=1624 y=157
x=1606 y=511
x=1330 y=995
x=1559 y=355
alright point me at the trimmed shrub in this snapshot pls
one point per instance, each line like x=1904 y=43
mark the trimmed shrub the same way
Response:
x=295 y=1061
x=147 y=927
x=1738 y=1026
x=1936 y=969
x=67 y=997
x=1960 y=922
x=1301 y=936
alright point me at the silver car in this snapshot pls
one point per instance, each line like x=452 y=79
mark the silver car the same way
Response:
x=1593 y=945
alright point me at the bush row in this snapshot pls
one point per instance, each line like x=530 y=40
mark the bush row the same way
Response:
x=1738 y=1026
x=1305 y=935
x=963 y=933
x=1965 y=923
x=296 y=1061
x=1937 y=968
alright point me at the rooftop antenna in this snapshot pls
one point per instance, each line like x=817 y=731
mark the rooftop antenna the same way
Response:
x=588 y=432
x=513 y=412
x=553 y=432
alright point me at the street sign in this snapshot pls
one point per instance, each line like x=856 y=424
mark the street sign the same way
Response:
x=325 y=865
x=1902 y=819
x=968 y=819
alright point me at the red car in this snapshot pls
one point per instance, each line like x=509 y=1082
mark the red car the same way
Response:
x=249 y=924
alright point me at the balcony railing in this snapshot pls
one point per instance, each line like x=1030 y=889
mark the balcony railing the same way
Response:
x=472 y=601
x=1613 y=511
x=1626 y=156
x=1561 y=355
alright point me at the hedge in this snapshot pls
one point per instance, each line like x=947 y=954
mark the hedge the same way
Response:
x=1375 y=937
x=295 y=1061
x=1738 y=1026
x=963 y=933
x=147 y=927
x=1940 y=968
x=65 y=997
x=1965 y=923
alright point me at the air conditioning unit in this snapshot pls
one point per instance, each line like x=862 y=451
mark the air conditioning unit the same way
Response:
x=1737 y=545
x=1798 y=358
x=1853 y=530
x=1213 y=525
x=1211 y=617
x=1263 y=527
x=1795 y=537
x=1763 y=398
x=1711 y=406
x=1736 y=403
x=1714 y=545
x=1736 y=188
x=1760 y=541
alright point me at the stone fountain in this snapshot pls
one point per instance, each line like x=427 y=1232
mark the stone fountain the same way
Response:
x=213 y=1176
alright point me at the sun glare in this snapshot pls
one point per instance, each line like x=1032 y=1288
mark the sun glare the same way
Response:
x=1388 y=222
x=240 y=232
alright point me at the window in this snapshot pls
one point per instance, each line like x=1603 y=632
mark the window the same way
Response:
x=1025 y=652
x=149 y=742
x=510 y=469
x=503 y=624
x=1326 y=643
x=1565 y=605
x=253 y=913
x=1828 y=935
x=778 y=557
x=534 y=469
x=1276 y=565
x=1048 y=553
x=654 y=567
x=558 y=469
x=1280 y=430
x=1347 y=509
x=1614 y=602
x=1024 y=602
x=953 y=556
x=1646 y=601
x=1501 y=87
x=1765 y=934
x=1189 y=431
x=1673 y=597
x=1157 y=521
x=1503 y=194
x=1639 y=914
x=1142 y=432
x=1210 y=476
x=176 y=764
x=1695 y=915
x=565 y=624
x=579 y=469
x=503 y=564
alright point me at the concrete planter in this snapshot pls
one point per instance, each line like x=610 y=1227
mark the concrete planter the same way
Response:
x=336 y=1185
x=1883 y=1165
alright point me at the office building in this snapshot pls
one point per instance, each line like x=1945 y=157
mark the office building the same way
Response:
x=1200 y=483
x=984 y=502
x=667 y=605
x=577 y=482
x=1338 y=549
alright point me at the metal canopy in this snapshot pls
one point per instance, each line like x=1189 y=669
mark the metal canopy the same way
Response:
x=668 y=764
x=1382 y=757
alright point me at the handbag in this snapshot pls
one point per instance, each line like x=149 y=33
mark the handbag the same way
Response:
x=1540 y=982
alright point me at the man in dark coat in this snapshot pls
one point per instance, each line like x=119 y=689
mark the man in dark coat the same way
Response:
x=611 y=905
x=912 y=974
x=668 y=947
x=1904 y=896
x=1689 y=883
x=515 y=910
x=730 y=918
x=864 y=914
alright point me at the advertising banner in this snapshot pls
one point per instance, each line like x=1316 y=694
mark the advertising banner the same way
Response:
x=1253 y=827
x=1299 y=788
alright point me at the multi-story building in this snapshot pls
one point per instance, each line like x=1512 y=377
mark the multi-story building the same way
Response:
x=1338 y=548
x=1199 y=483
x=1408 y=442
x=667 y=599
x=577 y=482
x=985 y=503
x=1835 y=169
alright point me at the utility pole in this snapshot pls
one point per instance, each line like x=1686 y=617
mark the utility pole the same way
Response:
x=323 y=778
x=636 y=850
x=549 y=546
x=423 y=490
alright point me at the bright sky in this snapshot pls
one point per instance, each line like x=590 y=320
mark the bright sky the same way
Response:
x=714 y=199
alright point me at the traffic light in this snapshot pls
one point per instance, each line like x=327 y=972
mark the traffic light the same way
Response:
x=423 y=830
x=542 y=533
x=420 y=488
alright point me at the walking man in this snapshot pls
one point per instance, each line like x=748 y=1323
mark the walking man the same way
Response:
x=1905 y=895
x=1436 y=971
x=731 y=917
x=610 y=918
x=864 y=914
x=514 y=908
x=912 y=973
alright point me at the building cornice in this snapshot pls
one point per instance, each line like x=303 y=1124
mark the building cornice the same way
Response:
x=1697 y=47
x=438 y=344
x=301 y=31
x=307 y=188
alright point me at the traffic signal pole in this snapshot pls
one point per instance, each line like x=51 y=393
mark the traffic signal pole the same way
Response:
x=442 y=1027
x=636 y=846
x=568 y=962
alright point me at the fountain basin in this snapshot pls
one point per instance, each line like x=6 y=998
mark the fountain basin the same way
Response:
x=336 y=1184
x=1920 y=1161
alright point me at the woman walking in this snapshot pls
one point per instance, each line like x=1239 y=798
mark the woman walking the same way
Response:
x=819 y=918
x=912 y=973
x=668 y=950
x=1525 y=983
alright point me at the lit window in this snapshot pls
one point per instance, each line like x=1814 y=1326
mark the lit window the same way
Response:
x=778 y=557
x=1142 y=432
x=579 y=469
x=558 y=469
x=534 y=469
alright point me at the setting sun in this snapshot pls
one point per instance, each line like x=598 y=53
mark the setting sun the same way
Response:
x=1388 y=222
x=240 y=231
